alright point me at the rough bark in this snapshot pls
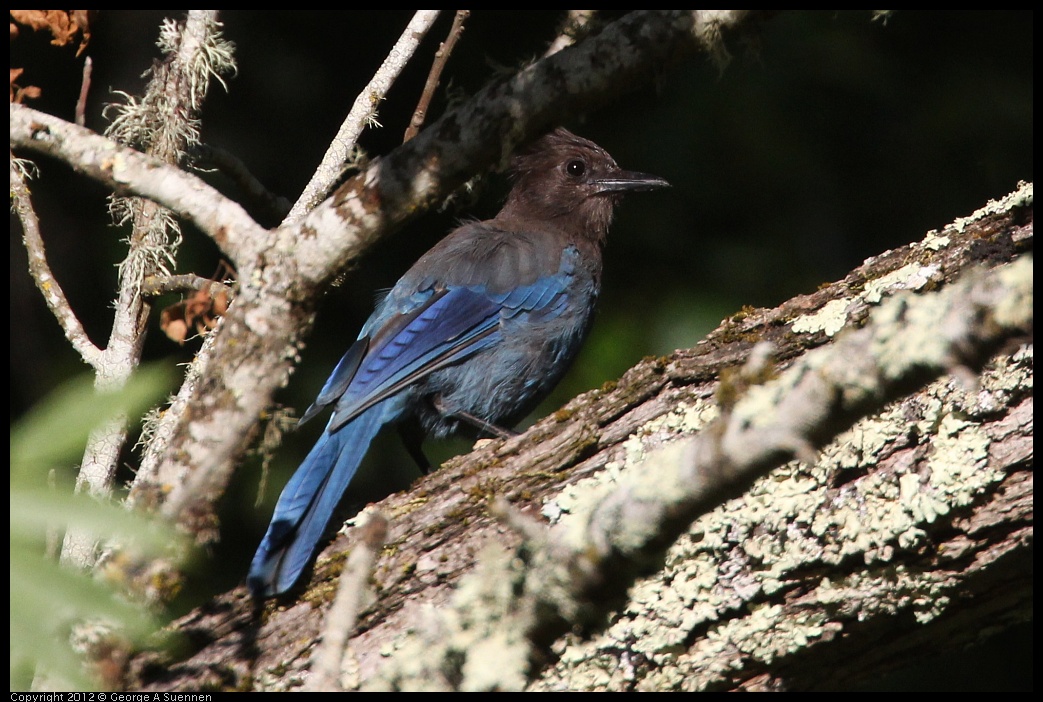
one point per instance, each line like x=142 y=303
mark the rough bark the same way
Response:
x=910 y=532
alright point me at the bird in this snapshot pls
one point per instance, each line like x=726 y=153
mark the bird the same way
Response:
x=471 y=338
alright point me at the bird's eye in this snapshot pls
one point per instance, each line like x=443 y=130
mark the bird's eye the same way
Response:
x=576 y=168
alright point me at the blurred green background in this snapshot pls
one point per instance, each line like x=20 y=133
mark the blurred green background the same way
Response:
x=828 y=138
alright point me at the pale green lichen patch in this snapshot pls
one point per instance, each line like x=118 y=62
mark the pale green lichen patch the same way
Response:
x=907 y=334
x=912 y=276
x=935 y=241
x=832 y=317
x=860 y=443
x=1021 y=197
x=1008 y=375
x=829 y=320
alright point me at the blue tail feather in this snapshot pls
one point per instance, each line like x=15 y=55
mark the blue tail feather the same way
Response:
x=308 y=502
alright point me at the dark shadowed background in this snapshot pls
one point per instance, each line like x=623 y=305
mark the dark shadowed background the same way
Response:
x=826 y=140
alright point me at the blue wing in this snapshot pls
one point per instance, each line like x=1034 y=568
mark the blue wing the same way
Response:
x=452 y=325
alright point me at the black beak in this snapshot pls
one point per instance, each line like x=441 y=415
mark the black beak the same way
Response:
x=629 y=182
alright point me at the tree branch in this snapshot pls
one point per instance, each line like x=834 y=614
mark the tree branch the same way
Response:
x=127 y=170
x=363 y=113
x=41 y=271
x=433 y=77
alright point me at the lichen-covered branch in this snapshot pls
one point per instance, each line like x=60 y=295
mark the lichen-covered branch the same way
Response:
x=162 y=123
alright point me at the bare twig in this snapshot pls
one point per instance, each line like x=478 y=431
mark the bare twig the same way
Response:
x=441 y=58
x=342 y=150
x=41 y=271
x=85 y=86
x=154 y=286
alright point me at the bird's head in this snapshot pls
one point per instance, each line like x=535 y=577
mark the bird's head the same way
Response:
x=571 y=182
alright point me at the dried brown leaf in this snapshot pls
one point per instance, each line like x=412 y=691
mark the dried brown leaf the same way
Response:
x=200 y=310
x=64 y=25
x=19 y=93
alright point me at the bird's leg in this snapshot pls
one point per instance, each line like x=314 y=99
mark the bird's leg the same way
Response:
x=412 y=438
x=476 y=422
x=482 y=425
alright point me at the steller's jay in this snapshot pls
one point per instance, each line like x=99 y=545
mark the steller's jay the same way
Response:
x=477 y=332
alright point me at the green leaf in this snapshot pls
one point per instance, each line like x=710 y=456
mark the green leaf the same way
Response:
x=55 y=431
